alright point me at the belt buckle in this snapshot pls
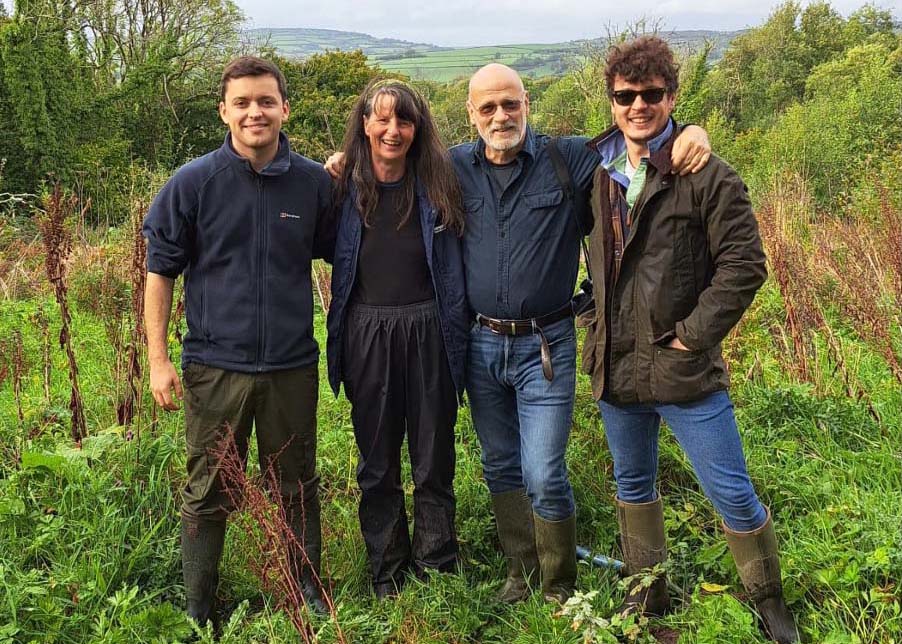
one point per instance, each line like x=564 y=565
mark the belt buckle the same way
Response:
x=513 y=327
x=489 y=323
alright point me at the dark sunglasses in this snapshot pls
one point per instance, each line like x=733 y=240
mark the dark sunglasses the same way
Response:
x=509 y=107
x=652 y=95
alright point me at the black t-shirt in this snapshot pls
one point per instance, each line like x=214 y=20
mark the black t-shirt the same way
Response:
x=391 y=266
x=502 y=174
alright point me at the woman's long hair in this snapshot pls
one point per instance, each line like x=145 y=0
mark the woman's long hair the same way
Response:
x=427 y=158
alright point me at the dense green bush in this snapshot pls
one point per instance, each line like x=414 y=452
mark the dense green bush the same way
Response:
x=852 y=118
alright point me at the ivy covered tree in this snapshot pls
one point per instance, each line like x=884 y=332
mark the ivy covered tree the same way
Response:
x=92 y=89
x=322 y=90
x=693 y=93
x=42 y=91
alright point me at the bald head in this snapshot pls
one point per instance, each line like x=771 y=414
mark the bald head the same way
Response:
x=495 y=76
x=498 y=106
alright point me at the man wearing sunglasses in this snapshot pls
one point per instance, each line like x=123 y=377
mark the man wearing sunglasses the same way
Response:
x=521 y=257
x=681 y=261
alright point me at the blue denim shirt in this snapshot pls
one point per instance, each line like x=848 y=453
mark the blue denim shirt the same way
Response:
x=521 y=247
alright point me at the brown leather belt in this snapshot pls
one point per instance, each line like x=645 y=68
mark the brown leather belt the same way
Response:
x=528 y=327
x=524 y=327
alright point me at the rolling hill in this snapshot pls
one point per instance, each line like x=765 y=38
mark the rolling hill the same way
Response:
x=430 y=62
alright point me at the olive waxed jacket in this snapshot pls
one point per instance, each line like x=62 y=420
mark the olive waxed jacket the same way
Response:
x=690 y=266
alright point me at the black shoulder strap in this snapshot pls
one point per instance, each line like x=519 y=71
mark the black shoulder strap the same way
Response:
x=563 y=177
x=560 y=168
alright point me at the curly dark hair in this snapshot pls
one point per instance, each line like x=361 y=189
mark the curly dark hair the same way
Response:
x=640 y=59
x=427 y=160
x=251 y=66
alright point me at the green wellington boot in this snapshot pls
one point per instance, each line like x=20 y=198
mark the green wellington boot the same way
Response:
x=513 y=516
x=644 y=544
x=202 y=542
x=556 y=547
x=758 y=563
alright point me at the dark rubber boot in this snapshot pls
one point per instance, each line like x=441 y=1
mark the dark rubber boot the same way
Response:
x=513 y=516
x=556 y=547
x=305 y=524
x=644 y=545
x=387 y=589
x=202 y=542
x=758 y=563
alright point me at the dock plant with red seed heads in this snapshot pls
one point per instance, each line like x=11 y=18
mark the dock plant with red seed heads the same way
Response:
x=276 y=551
x=52 y=220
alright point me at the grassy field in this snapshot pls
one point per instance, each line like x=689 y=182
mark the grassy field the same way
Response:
x=90 y=534
x=535 y=60
x=427 y=62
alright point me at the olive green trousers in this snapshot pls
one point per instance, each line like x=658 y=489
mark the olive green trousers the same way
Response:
x=282 y=407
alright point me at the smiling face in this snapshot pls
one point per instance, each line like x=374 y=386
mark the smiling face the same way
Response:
x=254 y=111
x=499 y=108
x=389 y=135
x=641 y=121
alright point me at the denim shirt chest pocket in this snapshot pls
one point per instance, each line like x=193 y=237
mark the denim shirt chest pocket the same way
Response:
x=542 y=208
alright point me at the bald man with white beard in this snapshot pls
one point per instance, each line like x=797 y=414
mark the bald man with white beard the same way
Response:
x=521 y=258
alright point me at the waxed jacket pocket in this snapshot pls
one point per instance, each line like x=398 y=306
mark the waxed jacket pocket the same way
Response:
x=679 y=376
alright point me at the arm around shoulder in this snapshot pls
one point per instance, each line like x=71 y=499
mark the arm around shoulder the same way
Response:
x=326 y=220
x=691 y=150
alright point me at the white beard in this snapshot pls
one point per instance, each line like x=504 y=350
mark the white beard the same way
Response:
x=503 y=144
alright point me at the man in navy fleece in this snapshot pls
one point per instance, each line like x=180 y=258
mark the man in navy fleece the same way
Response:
x=242 y=224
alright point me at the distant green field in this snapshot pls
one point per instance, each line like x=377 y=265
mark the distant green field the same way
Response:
x=428 y=62
x=445 y=65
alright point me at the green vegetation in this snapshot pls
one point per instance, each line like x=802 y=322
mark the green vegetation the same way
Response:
x=444 y=64
x=808 y=107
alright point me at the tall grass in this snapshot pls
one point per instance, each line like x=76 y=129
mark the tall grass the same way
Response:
x=136 y=353
x=836 y=276
x=90 y=534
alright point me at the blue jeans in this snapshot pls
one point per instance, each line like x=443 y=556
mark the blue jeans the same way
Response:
x=523 y=420
x=706 y=430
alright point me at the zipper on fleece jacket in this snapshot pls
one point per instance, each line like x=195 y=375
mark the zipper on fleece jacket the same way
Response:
x=261 y=275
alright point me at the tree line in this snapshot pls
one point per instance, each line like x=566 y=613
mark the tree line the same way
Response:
x=103 y=96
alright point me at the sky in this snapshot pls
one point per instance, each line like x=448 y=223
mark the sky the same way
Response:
x=495 y=22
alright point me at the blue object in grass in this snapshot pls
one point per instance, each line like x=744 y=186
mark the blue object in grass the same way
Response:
x=600 y=561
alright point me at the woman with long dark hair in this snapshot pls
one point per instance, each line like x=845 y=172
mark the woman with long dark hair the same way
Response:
x=398 y=326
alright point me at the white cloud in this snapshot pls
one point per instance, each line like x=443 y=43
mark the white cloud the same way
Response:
x=510 y=21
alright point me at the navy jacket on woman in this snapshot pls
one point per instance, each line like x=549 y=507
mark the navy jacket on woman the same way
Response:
x=244 y=240
x=445 y=261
